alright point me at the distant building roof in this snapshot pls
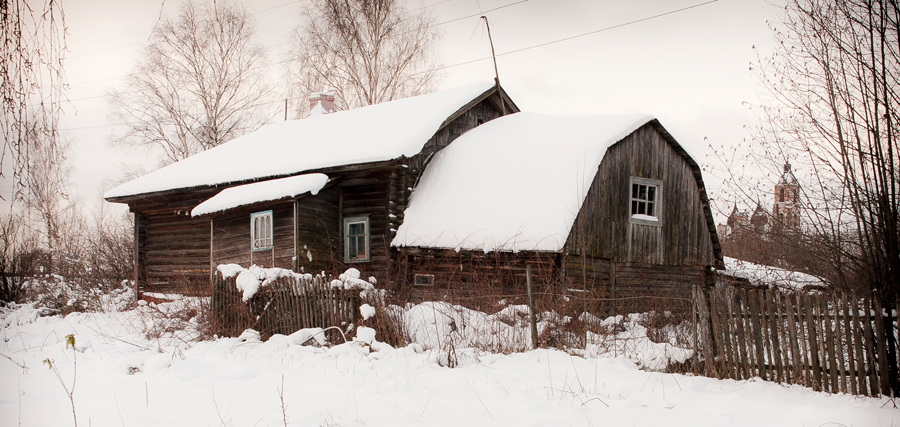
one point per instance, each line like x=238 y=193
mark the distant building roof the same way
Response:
x=768 y=276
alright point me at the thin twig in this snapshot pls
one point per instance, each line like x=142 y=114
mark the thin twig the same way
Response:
x=21 y=365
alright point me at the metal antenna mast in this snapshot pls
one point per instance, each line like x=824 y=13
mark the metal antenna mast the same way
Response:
x=494 y=57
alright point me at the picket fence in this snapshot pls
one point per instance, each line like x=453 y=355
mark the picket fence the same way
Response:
x=829 y=341
x=284 y=306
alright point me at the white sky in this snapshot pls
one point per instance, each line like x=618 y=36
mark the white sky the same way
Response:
x=690 y=69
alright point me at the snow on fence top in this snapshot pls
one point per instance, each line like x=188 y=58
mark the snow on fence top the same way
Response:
x=374 y=133
x=250 y=280
x=515 y=183
x=764 y=275
x=264 y=191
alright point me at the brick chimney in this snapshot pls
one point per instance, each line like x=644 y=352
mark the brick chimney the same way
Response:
x=321 y=103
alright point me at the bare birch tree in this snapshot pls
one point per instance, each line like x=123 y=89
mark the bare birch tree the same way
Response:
x=364 y=51
x=32 y=83
x=833 y=111
x=198 y=84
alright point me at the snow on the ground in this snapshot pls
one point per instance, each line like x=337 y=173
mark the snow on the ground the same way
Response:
x=765 y=275
x=134 y=369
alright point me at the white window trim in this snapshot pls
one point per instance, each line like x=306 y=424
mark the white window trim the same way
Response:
x=254 y=238
x=654 y=220
x=355 y=220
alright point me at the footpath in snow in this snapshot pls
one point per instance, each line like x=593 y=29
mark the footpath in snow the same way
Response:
x=138 y=368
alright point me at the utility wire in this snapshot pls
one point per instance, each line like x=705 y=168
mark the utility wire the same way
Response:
x=580 y=35
x=671 y=12
x=288 y=42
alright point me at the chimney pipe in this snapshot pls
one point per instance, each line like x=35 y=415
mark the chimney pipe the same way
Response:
x=321 y=103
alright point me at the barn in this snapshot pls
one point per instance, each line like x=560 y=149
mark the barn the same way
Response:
x=607 y=204
x=312 y=195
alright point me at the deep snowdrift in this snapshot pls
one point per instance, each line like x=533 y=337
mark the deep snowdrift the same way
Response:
x=142 y=368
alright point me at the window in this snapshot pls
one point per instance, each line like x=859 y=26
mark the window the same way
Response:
x=356 y=239
x=261 y=231
x=424 y=280
x=646 y=201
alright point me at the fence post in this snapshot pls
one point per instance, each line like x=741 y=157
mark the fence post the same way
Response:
x=534 y=334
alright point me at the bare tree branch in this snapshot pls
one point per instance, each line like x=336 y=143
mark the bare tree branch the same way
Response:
x=198 y=83
x=364 y=51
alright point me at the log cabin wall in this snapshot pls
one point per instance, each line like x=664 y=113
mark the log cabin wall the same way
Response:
x=475 y=279
x=172 y=247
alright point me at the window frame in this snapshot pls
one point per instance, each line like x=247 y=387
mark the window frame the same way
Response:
x=348 y=221
x=658 y=202
x=271 y=231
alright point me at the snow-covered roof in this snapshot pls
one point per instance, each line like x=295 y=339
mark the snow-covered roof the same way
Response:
x=374 y=133
x=264 y=191
x=515 y=183
x=765 y=275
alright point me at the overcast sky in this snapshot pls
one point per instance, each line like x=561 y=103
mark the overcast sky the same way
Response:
x=690 y=69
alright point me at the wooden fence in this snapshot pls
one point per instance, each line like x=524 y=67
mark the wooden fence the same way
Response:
x=831 y=342
x=284 y=306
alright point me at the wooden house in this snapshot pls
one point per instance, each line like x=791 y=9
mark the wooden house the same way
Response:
x=607 y=204
x=312 y=195
x=435 y=195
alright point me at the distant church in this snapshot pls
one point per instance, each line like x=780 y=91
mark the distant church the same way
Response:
x=785 y=211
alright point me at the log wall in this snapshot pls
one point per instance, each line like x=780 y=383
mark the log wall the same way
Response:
x=172 y=247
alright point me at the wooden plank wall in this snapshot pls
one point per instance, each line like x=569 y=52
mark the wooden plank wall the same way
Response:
x=366 y=193
x=231 y=236
x=829 y=341
x=634 y=288
x=602 y=228
x=319 y=233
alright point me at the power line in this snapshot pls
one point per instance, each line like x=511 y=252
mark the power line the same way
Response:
x=471 y=61
x=580 y=35
x=288 y=42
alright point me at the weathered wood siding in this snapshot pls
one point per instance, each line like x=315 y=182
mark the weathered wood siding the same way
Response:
x=602 y=228
x=318 y=232
x=231 y=236
x=474 y=278
x=172 y=247
x=383 y=193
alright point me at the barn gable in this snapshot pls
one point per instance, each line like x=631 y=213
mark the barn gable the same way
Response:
x=615 y=198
